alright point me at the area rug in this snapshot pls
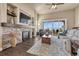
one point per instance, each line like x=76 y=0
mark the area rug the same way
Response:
x=41 y=49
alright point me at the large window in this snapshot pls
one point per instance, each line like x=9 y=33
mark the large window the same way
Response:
x=54 y=25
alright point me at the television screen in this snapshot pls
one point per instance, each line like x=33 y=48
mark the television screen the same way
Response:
x=24 y=18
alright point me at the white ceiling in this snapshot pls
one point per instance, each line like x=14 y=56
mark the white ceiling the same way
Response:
x=42 y=8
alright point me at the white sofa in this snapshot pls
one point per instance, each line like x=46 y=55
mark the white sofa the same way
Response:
x=72 y=34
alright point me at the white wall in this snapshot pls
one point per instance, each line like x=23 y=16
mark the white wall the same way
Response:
x=3 y=13
x=77 y=16
x=25 y=7
x=68 y=14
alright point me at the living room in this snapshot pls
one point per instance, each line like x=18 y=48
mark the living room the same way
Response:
x=53 y=17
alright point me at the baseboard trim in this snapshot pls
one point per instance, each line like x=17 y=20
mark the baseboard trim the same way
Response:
x=0 y=49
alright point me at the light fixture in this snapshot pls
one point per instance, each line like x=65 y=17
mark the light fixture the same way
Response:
x=53 y=6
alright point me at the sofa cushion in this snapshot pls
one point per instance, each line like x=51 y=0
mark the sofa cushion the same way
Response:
x=71 y=32
x=74 y=38
x=76 y=33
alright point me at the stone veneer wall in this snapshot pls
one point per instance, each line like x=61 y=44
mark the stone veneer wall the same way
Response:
x=6 y=38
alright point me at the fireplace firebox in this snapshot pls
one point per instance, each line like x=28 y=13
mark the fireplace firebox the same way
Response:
x=25 y=35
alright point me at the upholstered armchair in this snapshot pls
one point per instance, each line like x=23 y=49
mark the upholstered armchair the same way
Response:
x=41 y=32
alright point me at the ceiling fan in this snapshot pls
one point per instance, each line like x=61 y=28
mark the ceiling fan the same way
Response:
x=54 y=5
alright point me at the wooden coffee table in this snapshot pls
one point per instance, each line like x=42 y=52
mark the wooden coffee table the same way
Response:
x=46 y=40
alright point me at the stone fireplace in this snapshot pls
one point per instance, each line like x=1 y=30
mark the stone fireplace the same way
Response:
x=22 y=34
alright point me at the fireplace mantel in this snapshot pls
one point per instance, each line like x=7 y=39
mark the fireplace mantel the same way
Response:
x=17 y=25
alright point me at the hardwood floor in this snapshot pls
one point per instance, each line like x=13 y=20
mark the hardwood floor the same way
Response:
x=19 y=50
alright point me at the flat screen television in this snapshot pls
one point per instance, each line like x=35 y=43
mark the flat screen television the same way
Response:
x=24 y=18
